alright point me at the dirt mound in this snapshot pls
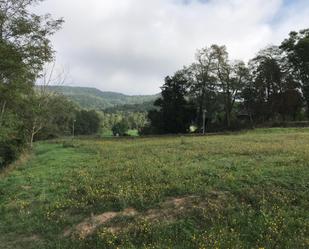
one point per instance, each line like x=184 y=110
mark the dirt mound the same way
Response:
x=168 y=210
x=89 y=225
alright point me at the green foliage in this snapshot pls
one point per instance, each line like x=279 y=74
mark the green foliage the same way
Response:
x=134 y=120
x=27 y=35
x=12 y=140
x=133 y=133
x=231 y=191
x=233 y=95
x=24 y=49
x=92 y=98
x=120 y=128
x=12 y=136
x=87 y=122
x=174 y=113
x=61 y=113
x=10 y=149
x=273 y=91
x=132 y=108
x=297 y=49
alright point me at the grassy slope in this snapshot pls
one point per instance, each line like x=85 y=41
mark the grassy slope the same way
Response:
x=254 y=186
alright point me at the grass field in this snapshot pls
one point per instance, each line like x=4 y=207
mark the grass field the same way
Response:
x=249 y=190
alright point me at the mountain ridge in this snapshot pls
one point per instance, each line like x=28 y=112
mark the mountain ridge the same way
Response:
x=93 y=98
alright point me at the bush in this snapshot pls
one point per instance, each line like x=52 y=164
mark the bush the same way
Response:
x=120 y=129
x=12 y=139
x=9 y=151
x=87 y=122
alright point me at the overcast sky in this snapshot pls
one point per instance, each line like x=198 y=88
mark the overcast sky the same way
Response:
x=129 y=46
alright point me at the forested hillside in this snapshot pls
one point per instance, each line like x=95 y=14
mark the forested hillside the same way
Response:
x=92 y=98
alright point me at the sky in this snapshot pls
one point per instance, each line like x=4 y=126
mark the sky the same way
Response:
x=129 y=46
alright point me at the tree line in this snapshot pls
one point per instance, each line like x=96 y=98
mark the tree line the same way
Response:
x=230 y=94
x=120 y=121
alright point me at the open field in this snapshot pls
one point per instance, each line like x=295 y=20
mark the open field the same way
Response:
x=249 y=190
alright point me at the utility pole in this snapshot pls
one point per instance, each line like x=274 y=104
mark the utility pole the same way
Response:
x=204 y=121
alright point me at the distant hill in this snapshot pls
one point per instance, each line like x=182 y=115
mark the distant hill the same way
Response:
x=92 y=98
x=144 y=107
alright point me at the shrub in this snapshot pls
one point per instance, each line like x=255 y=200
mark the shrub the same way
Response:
x=12 y=139
x=9 y=151
x=120 y=128
x=87 y=122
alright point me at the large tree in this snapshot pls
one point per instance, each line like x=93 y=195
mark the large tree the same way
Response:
x=87 y=122
x=231 y=78
x=273 y=89
x=24 y=48
x=297 y=50
x=175 y=112
x=202 y=83
x=266 y=82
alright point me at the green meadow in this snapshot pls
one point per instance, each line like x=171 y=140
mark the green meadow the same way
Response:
x=246 y=190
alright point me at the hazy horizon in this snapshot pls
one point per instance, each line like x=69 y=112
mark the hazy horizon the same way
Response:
x=89 y=86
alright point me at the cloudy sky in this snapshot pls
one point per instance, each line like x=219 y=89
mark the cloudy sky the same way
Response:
x=129 y=46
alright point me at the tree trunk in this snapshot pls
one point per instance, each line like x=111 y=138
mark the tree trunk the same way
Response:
x=34 y=131
x=31 y=139
x=2 y=112
x=228 y=118
x=201 y=108
x=228 y=110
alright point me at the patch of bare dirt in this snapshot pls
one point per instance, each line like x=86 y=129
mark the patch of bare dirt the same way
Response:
x=34 y=238
x=171 y=208
x=89 y=225
x=26 y=187
x=168 y=210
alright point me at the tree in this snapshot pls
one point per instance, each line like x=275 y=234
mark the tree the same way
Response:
x=58 y=117
x=269 y=88
x=175 y=112
x=231 y=79
x=36 y=115
x=297 y=49
x=287 y=103
x=45 y=108
x=87 y=122
x=273 y=90
x=24 y=48
x=11 y=139
x=27 y=32
x=120 y=128
x=202 y=83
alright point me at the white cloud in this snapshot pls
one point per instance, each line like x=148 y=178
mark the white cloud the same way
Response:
x=130 y=45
